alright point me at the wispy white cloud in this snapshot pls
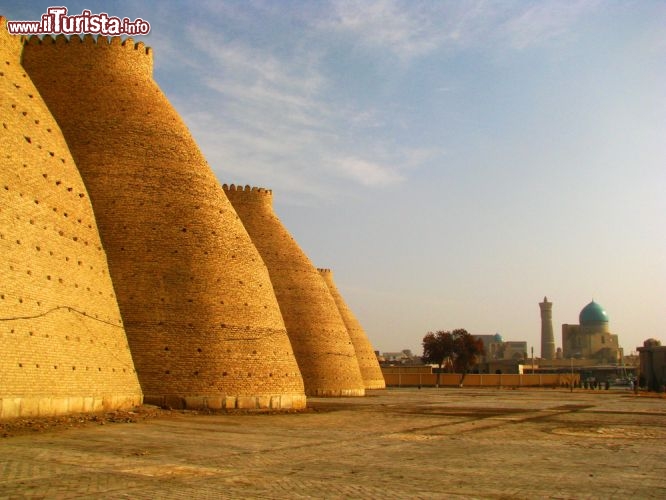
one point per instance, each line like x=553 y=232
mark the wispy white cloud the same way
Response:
x=390 y=25
x=544 y=22
x=410 y=29
x=368 y=173
x=267 y=117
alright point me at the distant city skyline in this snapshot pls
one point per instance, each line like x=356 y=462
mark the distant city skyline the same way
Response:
x=451 y=162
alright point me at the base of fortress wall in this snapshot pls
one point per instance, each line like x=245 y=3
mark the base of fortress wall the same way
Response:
x=335 y=393
x=375 y=384
x=296 y=401
x=15 y=407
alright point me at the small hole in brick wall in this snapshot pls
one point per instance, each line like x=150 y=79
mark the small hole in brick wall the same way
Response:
x=199 y=349
x=27 y=139
x=196 y=373
x=73 y=367
x=166 y=348
x=167 y=372
x=99 y=369
x=37 y=365
x=224 y=374
x=270 y=374
x=20 y=365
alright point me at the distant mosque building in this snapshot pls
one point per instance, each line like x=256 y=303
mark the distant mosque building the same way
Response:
x=591 y=339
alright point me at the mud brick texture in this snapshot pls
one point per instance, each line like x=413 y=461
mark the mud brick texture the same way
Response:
x=365 y=354
x=200 y=313
x=322 y=345
x=63 y=346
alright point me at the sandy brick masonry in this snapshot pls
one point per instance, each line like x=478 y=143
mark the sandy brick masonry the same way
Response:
x=320 y=339
x=200 y=313
x=63 y=346
x=365 y=354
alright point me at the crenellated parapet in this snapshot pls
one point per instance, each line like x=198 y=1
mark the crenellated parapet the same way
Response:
x=249 y=195
x=108 y=54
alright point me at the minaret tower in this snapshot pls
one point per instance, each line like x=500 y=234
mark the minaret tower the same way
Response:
x=547 y=338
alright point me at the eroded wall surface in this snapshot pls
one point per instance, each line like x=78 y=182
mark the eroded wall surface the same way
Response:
x=365 y=354
x=322 y=345
x=200 y=312
x=63 y=347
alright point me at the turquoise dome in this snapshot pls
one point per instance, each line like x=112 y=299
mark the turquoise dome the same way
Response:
x=593 y=313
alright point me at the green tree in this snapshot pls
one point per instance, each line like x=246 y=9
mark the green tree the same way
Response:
x=458 y=347
x=437 y=349
x=467 y=351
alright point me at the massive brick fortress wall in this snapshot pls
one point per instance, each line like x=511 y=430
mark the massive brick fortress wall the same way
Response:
x=63 y=346
x=367 y=360
x=321 y=342
x=201 y=316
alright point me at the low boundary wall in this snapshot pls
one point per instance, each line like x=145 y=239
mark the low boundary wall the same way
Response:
x=422 y=376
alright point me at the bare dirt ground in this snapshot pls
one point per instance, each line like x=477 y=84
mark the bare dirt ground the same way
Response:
x=397 y=443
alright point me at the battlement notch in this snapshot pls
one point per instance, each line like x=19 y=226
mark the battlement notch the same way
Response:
x=101 y=52
x=248 y=194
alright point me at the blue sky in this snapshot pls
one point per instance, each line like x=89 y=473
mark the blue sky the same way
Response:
x=451 y=161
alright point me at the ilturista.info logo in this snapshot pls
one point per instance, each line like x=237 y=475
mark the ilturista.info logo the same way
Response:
x=55 y=21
